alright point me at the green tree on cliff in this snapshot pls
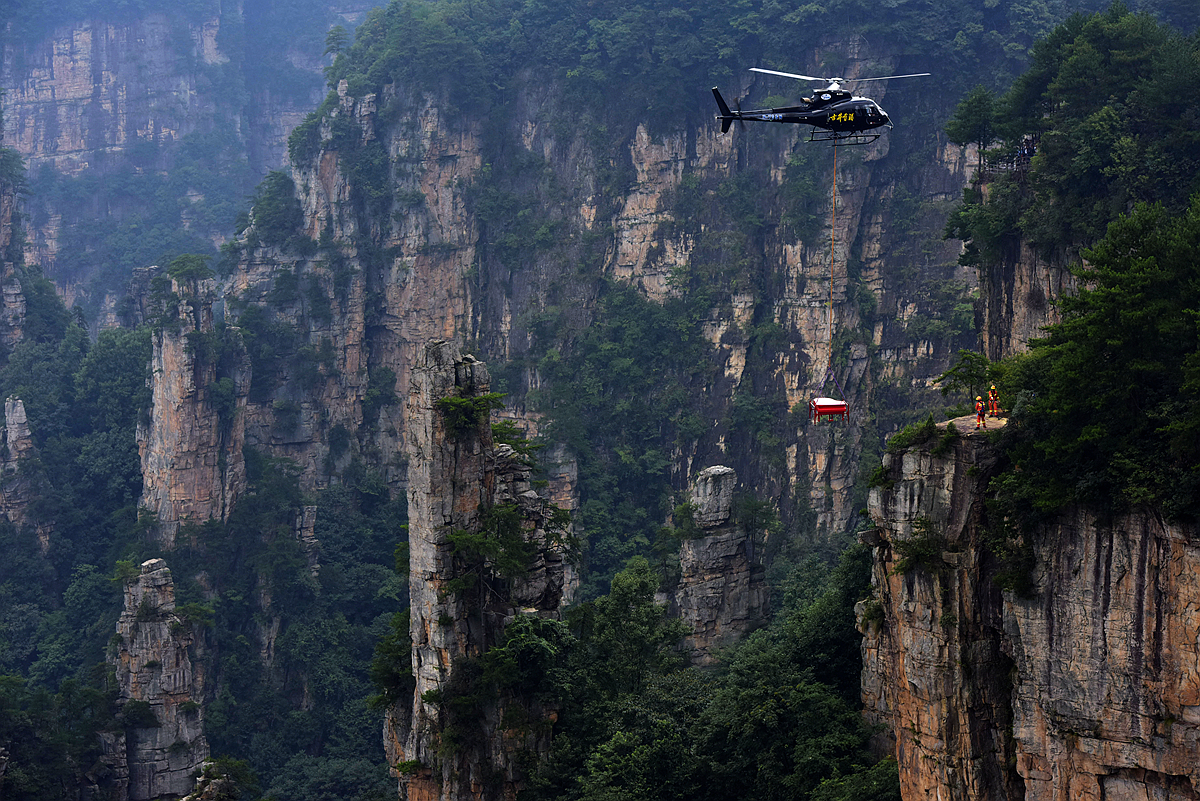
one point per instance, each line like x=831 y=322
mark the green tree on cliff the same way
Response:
x=1106 y=410
x=1111 y=102
x=974 y=120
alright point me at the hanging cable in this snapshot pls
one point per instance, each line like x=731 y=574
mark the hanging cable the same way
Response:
x=832 y=262
x=828 y=407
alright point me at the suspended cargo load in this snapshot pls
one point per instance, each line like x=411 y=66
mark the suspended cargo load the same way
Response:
x=827 y=407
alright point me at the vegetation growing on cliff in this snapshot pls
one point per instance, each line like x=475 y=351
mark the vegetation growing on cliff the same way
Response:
x=46 y=736
x=1103 y=404
x=1109 y=109
x=623 y=398
x=146 y=206
x=640 y=718
x=635 y=56
x=251 y=574
x=83 y=402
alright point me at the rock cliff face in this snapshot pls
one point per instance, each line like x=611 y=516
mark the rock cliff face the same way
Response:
x=1088 y=688
x=163 y=745
x=457 y=478
x=420 y=269
x=91 y=97
x=1017 y=297
x=191 y=447
x=92 y=86
x=722 y=591
x=12 y=310
x=381 y=312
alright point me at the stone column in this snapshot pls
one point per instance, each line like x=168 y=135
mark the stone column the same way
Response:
x=722 y=592
x=455 y=476
x=164 y=742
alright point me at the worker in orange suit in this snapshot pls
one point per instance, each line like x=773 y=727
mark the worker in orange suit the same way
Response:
x=980 y=418
x=993 y=402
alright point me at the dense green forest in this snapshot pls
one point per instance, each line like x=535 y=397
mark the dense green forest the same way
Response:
x=1101 y=409
x=60 y=604
x=1104 y=403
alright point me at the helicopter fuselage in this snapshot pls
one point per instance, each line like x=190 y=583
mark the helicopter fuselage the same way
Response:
x=836 y=111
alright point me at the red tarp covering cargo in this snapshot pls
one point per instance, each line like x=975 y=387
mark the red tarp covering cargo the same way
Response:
x=827 y=407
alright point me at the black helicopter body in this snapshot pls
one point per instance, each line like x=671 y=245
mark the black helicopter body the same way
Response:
x=832 y=111
x=835 y=114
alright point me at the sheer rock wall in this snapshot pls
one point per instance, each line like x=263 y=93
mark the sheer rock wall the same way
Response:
x=1017 y=298
x=191 y=446
x=80 y=95
x=381 y=312
x=427 y=274
x=12 y=298
x=1087 y=689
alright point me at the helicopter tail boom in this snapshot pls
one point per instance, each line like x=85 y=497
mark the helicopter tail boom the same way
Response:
x=726 y=116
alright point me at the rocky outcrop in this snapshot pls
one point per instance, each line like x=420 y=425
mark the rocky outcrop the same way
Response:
x=722 y=592
x=18 y=439
x=1108 y=701
x=163 y=744
x=1087 y=688
x=18 y=488
x=191 y=447
x=1018 y=297
x=458 y=479
x=213 y=785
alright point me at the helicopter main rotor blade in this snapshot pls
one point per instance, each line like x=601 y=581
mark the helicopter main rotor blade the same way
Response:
x=838 y=80
x=889 y=77
x=793 y=75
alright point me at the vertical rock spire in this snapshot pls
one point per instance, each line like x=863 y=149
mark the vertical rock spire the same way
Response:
x=457 y=480
x=164 y=742
x=191 y=448
x=722 y=590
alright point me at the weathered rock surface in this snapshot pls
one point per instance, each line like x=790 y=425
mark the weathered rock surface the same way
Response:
x=12 y=298
x=191 y=447
x=18 y=489
x=12 y=313
x=722 y=592
x=1018 y=297
x=80 y=96
x=163 y=744
x=456 y=475
x=1088 y=689
x=381 y=313
x=428 y=274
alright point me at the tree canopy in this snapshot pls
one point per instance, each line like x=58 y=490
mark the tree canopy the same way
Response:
x=1111 y=106
x=1105 y=403
x=780 y=719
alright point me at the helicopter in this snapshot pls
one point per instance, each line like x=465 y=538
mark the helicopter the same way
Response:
x=836 y=115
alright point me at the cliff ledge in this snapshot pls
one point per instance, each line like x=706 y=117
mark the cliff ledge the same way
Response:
x=1086 y=687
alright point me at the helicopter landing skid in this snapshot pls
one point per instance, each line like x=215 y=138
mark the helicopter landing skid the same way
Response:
x=840 y=138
